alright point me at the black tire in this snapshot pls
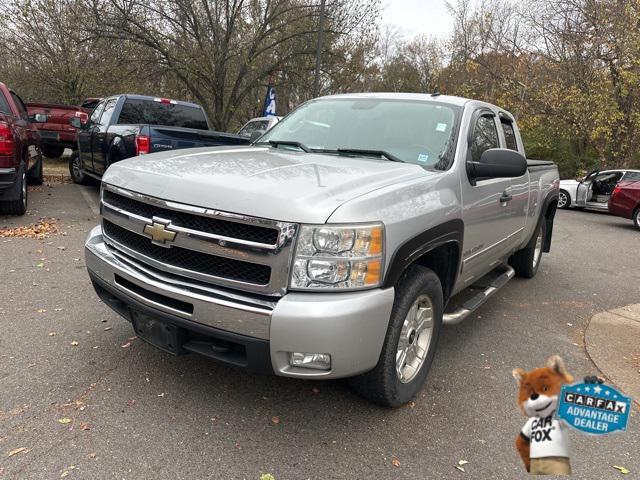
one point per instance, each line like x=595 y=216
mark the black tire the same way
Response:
x=636 y=217
x=567 y=201
x=527 y=261
x=36 y=174
x=19 y=205
x=75 y=170
x=52 y=151
x=382 y=385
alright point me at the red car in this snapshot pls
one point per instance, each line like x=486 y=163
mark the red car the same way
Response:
x=625 y=199
x=56 y=132
x=20 y=157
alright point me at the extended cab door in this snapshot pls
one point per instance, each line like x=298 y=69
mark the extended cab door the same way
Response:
x=100 y=141
x=85 y=138
x=491 y=222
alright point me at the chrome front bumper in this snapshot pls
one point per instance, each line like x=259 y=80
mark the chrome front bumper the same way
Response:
x=351 y=327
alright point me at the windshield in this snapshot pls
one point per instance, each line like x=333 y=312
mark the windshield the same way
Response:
x=413 y=131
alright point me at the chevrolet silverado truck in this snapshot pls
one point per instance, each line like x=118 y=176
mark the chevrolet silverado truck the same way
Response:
x=56 y=132
x=126 y=126
x=336 y=245
x=20 y=155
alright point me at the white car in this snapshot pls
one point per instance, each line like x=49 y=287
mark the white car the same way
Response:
x=593 y=191
x=258 y=124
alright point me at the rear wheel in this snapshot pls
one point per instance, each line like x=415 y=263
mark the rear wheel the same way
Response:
x=636 y=217
x=52 y=151
x=527 y=261
x=564 y=199
x=410 y=344
x=19 y=205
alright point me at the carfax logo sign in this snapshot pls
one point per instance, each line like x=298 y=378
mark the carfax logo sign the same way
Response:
x=593 y=408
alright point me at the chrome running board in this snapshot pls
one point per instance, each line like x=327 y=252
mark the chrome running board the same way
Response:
x=468 y=307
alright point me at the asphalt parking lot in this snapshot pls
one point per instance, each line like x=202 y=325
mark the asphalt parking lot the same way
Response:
x=84 y=399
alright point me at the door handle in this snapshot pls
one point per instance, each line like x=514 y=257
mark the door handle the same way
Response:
x=506 y=197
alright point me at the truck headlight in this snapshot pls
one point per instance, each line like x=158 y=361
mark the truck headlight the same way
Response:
x=338 y=257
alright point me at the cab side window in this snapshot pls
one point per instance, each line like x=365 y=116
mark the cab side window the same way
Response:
x=95 y=115
x=509 y=135
x=485 y=136
x=109 y=107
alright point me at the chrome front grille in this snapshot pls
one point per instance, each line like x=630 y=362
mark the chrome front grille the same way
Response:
x=219 y=248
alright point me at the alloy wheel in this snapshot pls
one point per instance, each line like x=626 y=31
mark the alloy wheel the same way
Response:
x=415 y=339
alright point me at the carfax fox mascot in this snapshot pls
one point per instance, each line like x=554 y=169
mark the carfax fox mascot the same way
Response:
x=543 y=442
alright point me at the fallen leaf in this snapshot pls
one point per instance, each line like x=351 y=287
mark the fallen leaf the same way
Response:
x=40 y=265
x=267 y=476
x=40 y=230
x=62 y=248
x=126 y=345
x=161 y=394
x=42 y=310
x=17 y=450
x=106 y=329
x=460 y=468
x=85 y=426
x=57 y=309
x=74 y=343
x=131 y=403
x=622 y=470
x=275 y=420
x=462 y=462
x=64 y=420
x=92 y=455
x=395 y=462
x=52 y=334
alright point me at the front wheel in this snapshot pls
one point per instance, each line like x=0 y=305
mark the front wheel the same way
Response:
x=75 y=169
x=410 y=343
x=527 y=261
x=564 y=199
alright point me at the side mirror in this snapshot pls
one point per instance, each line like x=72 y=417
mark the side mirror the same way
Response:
x=76 y=122
x=40 y=118
x=498 y=163
x=255 y=135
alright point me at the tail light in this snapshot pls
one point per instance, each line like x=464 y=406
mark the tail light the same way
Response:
x=616 y=190
x=143 y=144
x=6 y=140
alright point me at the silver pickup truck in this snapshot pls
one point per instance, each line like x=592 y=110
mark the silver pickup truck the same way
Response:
x=336 y=245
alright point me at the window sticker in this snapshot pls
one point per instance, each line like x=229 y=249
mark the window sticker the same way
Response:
x=441 y=127
x=423 y=158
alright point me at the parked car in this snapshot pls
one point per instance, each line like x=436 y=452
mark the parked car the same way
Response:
x=257 y=126
x=56 y=133
x=625 y=199
x=335 y=247
x=593 y=191
x=20 y=155
x=125 y=126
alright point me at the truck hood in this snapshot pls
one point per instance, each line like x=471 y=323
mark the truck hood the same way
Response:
x=259 y=181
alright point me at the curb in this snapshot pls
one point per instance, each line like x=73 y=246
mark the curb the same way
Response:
x=612 y=341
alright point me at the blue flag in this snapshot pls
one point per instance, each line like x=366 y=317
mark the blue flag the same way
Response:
x=269 y=109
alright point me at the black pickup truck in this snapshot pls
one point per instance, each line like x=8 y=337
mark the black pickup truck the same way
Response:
x=125 y=126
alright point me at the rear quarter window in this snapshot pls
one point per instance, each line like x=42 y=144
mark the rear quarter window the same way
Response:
x=4 y=105
x=631 y=176
x=149 y=112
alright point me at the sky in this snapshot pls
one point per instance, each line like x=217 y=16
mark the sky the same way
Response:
x=414 y=17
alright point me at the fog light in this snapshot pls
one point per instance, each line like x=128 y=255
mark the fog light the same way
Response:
x=319 y=361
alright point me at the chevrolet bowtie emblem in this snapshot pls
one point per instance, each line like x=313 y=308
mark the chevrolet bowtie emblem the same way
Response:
x=159 y=233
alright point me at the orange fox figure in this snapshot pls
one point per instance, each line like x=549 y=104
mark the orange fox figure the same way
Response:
x=543 y=442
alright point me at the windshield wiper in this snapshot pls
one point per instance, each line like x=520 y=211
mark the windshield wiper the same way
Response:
x=290 y=143
x=374 y=153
